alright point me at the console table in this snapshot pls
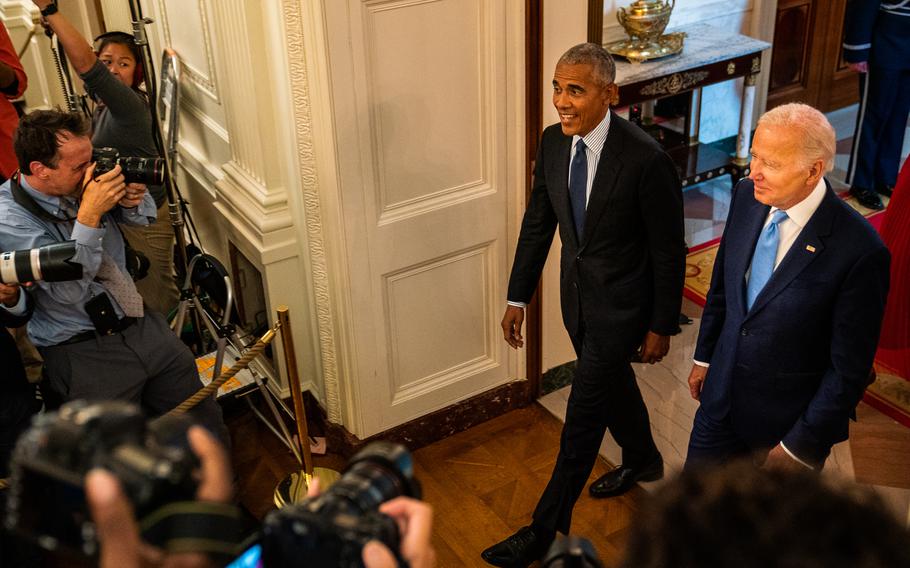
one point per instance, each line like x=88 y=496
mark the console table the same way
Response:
x=710 y=56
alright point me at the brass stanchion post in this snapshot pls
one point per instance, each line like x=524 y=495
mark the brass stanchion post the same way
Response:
x=293 y=488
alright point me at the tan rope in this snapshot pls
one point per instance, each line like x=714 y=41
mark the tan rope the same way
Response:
x=4 y=483
x=240 y=365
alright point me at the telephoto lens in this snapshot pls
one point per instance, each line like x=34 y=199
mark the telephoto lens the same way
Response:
x=50 y=263
x=331 y=529
x=149 y=171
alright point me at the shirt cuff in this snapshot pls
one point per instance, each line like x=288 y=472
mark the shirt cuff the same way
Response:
x=792 y=455
x=19 y=308
x=88 y=236
x=143 y=214
x=517 y=304
x=701 y=363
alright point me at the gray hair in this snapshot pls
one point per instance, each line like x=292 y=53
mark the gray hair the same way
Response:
x=817 y=134
x=594 y=55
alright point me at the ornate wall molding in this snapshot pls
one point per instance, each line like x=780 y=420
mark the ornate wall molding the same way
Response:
x=206 y=81
x=312 y=211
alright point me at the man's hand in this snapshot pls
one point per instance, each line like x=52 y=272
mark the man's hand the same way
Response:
x=118 y=532
x=511 y=326
x=654 y=347
x=9 y=294
x=861 y=67
x=697 y=380
x=135 y=192
x=100 y=195
x=779 y=459
x=415 y=523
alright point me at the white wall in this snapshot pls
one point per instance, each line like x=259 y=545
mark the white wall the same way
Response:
x=720 y=103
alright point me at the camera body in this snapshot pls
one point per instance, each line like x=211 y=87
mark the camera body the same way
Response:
x=318 y=539
x=46 y=501
x=149 y=171
x=331 y=529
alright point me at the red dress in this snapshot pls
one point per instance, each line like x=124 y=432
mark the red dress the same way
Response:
x=894 y=346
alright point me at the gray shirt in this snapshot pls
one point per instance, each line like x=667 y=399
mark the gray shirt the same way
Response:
x=123 y=121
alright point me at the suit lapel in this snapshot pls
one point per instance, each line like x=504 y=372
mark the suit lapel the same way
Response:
x=608 y=168
x=808 y=246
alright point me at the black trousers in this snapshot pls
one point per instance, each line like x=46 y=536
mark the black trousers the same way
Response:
x=604 y=395
x=146 y=364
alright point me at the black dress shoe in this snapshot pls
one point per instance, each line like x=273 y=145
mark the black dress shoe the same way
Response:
x=867 y=198
x=517 y=551
x=884 y=189
x=620 y=479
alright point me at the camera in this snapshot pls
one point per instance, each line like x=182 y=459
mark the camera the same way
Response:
x=149 y=171
x=571 y=552
x=46 y=501
x=331 y=529
x=137 y=264
x=50 y=263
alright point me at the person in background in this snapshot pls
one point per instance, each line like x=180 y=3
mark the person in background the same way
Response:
x=746 y=517
x=614 y=195
x=121 y=120
x=877 y=46
x=894 y=344
x=17 y=406
x=793 y=314
x=13 y=83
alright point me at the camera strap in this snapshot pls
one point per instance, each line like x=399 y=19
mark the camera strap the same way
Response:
x=215 y=529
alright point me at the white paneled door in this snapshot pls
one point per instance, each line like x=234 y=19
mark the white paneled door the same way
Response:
x=428 y=102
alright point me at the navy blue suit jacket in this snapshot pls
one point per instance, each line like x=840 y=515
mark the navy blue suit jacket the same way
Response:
x=794 y=367
x=877 y=34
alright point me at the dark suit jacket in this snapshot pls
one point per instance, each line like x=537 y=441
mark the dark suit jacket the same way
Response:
x=879 y=36
x=17 y=396
x=794 y=367
x=13 y=373
x=625 y=276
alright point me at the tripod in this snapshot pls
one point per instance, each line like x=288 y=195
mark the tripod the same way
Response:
x=165 y=112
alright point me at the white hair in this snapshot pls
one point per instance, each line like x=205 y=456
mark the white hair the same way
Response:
x=817 y=136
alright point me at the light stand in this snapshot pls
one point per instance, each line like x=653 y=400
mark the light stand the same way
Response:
x=167 y=149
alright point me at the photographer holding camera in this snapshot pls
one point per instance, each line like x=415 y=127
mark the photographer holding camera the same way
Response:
x=97 y=339
x=113 y=76
x=329 y=534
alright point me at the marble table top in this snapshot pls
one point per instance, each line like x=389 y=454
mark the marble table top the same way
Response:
x=704 y=44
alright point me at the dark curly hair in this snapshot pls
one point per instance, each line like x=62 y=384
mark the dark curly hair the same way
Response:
x=748 y=517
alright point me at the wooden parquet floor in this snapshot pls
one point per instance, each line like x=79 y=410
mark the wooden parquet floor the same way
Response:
x=483 y=483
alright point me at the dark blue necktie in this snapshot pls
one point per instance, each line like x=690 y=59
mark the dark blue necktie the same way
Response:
x=578 y=184
x=764 y=257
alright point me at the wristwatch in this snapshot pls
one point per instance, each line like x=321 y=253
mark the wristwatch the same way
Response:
x=49 y=9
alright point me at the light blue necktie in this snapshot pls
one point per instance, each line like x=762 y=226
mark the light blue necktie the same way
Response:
x=578 y=186
x=764 y=257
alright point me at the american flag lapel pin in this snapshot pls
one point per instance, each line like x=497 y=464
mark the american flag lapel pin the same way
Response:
x=810 y=248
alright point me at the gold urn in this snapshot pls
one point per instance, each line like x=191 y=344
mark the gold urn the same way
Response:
x=645 y=21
